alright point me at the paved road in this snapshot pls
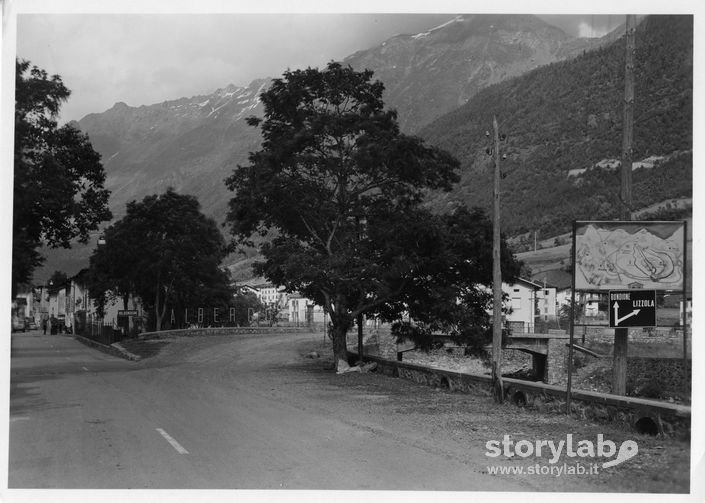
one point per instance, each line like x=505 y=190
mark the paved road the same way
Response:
x=252 y=412
x=205 y=414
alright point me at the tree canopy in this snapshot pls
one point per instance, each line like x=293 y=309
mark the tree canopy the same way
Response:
x=58 y=177
x=164 y=250
x=344 y=191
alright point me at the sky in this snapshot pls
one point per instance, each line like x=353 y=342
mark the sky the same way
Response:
x=141 y=55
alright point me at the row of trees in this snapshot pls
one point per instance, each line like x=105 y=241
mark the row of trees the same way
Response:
x=336 y=199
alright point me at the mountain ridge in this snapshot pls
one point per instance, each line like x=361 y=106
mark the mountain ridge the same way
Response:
x=192 y=144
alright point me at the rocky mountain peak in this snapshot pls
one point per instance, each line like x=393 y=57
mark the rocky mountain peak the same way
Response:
x=434 y=72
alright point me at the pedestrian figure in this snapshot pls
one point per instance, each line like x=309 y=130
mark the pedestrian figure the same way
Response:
x=44 y=325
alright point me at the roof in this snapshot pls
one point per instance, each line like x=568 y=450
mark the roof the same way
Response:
x=528 y=282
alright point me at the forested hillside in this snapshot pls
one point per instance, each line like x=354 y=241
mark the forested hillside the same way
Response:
x=568 y=116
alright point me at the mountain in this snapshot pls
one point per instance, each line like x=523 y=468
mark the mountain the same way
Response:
x=192 y=144
x=432 y=73
x=563 y=127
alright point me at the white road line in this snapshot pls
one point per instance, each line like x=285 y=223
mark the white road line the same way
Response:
x=173 y=442
x=84 y=368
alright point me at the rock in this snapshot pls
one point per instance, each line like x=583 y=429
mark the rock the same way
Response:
x=369 y=367
x=313 y=354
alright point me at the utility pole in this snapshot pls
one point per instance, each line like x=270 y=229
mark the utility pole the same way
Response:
x=497 y=280
x=621 y=335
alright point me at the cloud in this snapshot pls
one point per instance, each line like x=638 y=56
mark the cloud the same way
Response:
x=589 y=30
x=141 y=59
x=148 y=58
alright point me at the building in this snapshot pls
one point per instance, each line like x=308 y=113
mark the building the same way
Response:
x=529 y=303
x=71 y=304
x=303 y=311
x=266 y=293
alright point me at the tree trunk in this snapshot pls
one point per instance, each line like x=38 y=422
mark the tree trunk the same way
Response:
x=157 y=321
x=340 y=348
x=158 y=318
x=340 y=323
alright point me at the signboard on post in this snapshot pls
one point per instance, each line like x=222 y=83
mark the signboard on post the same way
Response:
x=631 y=262
x=127 y=312
x=632 y=308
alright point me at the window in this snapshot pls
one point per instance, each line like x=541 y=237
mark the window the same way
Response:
x=516 y=303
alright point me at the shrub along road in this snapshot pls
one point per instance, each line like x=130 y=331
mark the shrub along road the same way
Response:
x=253 y=412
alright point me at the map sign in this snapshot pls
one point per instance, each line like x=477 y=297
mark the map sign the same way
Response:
x=629 y=255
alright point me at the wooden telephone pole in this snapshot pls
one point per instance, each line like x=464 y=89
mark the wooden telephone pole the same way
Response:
x=498 y=387
x=621 y=335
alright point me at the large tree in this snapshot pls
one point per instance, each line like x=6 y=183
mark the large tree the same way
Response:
x=450 y=293
x=343 y=188
x=164 y=250
x=58 y=177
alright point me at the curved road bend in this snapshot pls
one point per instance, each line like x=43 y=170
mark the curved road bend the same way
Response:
x=225 y=413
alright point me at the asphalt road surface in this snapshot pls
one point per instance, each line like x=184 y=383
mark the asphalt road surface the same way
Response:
x=248 y=412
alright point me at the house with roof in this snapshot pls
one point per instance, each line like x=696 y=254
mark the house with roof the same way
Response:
x=267 y=293
x=529 y=302
x=303 y=311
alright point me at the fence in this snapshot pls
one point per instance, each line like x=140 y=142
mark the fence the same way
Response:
x=97 y=330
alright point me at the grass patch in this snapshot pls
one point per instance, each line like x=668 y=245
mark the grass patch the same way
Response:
x=144 y=348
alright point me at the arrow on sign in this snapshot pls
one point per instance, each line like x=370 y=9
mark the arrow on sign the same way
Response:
x=617 y=319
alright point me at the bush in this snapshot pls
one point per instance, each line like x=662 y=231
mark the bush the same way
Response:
x=651 y=389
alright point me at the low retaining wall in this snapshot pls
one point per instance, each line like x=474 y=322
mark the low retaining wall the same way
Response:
x=116 y=350
x=110 y=349
x=640 y=415
x=201 y=332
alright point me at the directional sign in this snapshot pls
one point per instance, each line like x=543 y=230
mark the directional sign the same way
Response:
x=632 y=308
x=128 y=312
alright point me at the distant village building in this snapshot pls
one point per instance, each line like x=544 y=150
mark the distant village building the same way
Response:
x=303 y=311
x=71 y=305
x=267 y=293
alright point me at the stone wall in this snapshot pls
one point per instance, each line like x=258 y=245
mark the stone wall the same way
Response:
x=665 y=374
x=636 y=414
x=202 y=332
x=556 y=361
x=377 y=341
x=657 y=335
